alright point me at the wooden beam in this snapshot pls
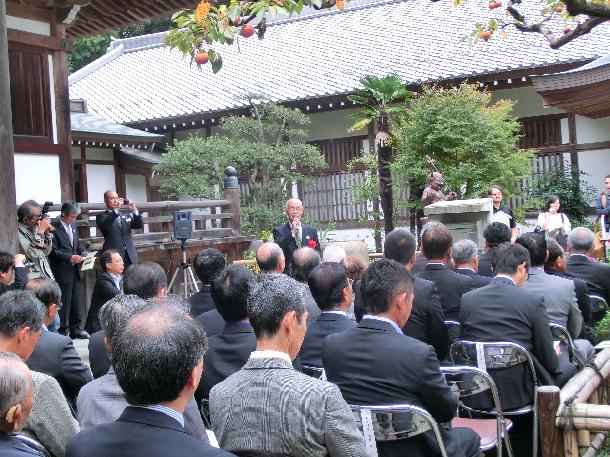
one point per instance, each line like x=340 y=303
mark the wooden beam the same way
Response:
x=8 y=211
x=29 y=12
x=41 y=41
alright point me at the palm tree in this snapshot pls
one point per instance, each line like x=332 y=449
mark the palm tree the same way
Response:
x=376 y=99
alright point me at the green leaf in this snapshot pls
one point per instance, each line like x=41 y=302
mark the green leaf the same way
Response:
x=217 y=64
x=359 y=125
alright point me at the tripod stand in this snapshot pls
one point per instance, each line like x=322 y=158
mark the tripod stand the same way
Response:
x=188 y=278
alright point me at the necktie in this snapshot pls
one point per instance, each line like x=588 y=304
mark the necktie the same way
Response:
x=70 y=235
x=298 y=237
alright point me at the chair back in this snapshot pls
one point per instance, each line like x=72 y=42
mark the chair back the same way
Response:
x=394 y=422
x=561 y=333
x=465 y=381
x=492 y=355
x=453 y=329
x=314 y=372
x=33 y=444
x=599 y=307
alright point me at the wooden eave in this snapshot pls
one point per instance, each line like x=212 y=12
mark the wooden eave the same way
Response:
x=96 y=16
x=591 y=100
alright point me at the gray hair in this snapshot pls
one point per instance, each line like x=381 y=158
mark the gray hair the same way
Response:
x=25 y=209
x=333 y=253
x=155 y=354
x=581 y=240
x=14 y=382
x=19 y=309
x=116 y=312
x=428 y=225
x=303 y=261
x=70 y=208
x=268 y=256
x=270 y=299
x=464 y=251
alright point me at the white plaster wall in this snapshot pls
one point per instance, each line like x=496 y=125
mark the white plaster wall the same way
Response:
x=592 y=130
x=28 y=25
x=529 y=103
x=597 y=165
x=100 y=178
x=135 y=189
x=37 y=177
x=99 y=154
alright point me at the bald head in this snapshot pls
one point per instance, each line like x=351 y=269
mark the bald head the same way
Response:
x=270 y=258
x=304 y=260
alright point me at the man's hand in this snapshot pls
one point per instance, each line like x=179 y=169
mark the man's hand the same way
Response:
x=18 y=260
x=75 y=259
x=296 y=223
x=132 y=206
x=44 y=226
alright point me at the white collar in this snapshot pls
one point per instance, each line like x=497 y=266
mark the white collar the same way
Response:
x=270 y=354
x=506 y=277
x=343 y=313
x=384 y=319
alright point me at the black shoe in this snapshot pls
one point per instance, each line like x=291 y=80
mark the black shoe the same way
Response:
x=82 y=335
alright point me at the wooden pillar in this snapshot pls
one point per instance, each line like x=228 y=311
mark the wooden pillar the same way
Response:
x=8 y=211
x=572 y=137
x=551 y=444
x=62 y=112
x=231 y=191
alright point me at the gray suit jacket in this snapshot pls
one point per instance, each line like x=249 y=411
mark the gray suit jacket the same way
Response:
x=102 y=401
x=307 y=416
x=559 y=299
x=51 y=421
x=313 y=310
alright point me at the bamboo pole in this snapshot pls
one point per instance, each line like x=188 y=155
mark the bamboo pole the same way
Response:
x=596 y=444
x=582 y=385
x=570 y=443
x=584 y=440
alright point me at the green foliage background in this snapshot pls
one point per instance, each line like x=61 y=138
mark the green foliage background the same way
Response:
x=473 y=142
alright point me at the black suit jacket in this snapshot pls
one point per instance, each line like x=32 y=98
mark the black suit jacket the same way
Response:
x=596 y=275
x=62 y=251
x=450 y=285
x=485 y=267
x=56 y=356
x=502 y=311
x=227 y=353
x=99 y=358
x=139 y=432
x=201 y=301
x=21 y=278
x=420 y=264
x=477 y=280
x=282 y=235
x=405 y=371
x=212 y=322
x=103 y=290
x=11 y=447
x=427 y=320
x=326 y=324
x=582 y=293
x=119 y=237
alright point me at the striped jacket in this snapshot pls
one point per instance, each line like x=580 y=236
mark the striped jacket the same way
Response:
x=269 y=409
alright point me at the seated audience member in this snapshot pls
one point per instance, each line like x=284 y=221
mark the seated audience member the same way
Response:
x=332 y=291
x=270 y=258
x=333 y=253
x=158 y=360
x=102 y=400
x=108 y=285
x=558 y=294
x=229 y=351
x=11 y=267
x=504 y=311
x=208 y=264
x=596 y=275
x=304 y=260
x=55 y=354
x=406 y=371
x=354 y=267
x=50 y=421
x=465 y=255
x=16 y=400
x=146 y=280
x=495 y=234
x=555 y=265
x=268 y=408
x=436 y=246
x=427 y=321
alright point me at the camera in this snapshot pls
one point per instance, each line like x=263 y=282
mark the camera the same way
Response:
x=126 y=201
x=45 y=209
x=28 y=265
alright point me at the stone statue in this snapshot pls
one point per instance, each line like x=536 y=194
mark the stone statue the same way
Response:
x=432 y=193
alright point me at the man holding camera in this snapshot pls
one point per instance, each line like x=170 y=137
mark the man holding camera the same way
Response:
x=35 y=238
x=116 y=226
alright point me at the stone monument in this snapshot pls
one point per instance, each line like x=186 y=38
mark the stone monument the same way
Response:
x=465 y=218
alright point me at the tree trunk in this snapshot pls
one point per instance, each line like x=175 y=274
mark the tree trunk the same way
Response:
x=385 y=187
x=377 y=220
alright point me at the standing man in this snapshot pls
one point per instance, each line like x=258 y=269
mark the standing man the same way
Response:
x=66 y=256
x=108 y=285
x=601 y=206
x=502 y=212
x=35 y=238
x=293 y=234
x=116 y=226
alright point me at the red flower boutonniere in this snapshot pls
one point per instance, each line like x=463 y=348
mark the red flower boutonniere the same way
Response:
x=312 y=244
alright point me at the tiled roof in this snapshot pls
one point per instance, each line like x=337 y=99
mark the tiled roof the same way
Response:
x=316 y=56
x=85 y=125
x=592 y=73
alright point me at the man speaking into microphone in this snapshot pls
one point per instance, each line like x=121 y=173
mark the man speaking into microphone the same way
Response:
x=294 y=234
x=116 y=226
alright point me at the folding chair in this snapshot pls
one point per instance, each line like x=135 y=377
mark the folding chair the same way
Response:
x=599 y=307
x=33 y=444
x=394 y=422
x=453 y=329
x=562 y=334
x=500 y=355
x=314 y=372
x=466 y=381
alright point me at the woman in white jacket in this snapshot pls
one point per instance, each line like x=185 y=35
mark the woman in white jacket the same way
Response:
x=552 y=221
